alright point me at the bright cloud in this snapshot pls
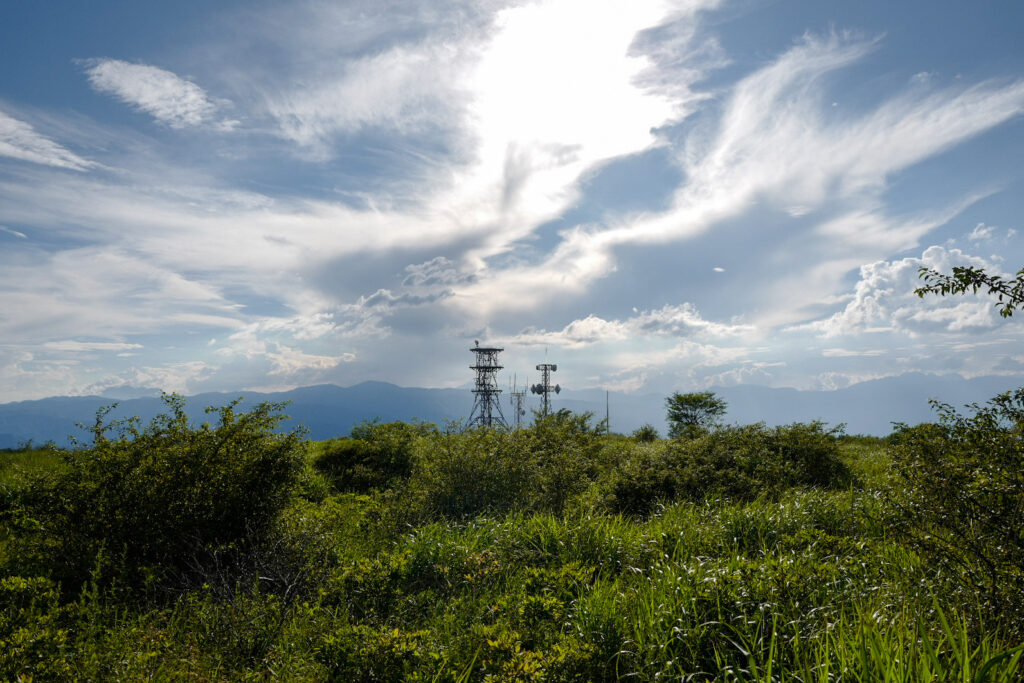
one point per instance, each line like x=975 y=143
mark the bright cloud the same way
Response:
x=884 y=300
x=677 y=321
x=168 y=98
x=72 y=345
x=557 y=173
x=19 y=140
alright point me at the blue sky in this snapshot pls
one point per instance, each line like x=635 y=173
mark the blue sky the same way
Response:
x=658 y=195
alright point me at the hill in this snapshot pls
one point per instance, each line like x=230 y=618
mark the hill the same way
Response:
x=329 y=410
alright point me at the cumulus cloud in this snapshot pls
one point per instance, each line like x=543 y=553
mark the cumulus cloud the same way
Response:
x=165 y=96
x=884 y=300
x=19 y=140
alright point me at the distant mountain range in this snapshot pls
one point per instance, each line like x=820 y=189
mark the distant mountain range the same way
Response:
x=328 y=410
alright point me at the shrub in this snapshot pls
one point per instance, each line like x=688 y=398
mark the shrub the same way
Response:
x=32 y=642
x=960 y=495
x=376 y=457
x=645 y=434
x=462 y=475
x=145 y=505
x=737 y=463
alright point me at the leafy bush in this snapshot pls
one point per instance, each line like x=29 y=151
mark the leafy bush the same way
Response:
x=145 y=505
x=960 y=493
x=738 y=463
x=645 y=433
x=32 y=642
x=377 y=455
x=462 y=475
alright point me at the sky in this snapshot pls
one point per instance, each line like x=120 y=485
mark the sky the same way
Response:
x=657 y=196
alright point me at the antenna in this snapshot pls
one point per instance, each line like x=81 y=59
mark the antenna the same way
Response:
x=545 y=388
x=518 y=398
x=486 y=407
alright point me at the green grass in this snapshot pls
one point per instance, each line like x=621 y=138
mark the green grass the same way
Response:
x=18 y=464
x=807 y=584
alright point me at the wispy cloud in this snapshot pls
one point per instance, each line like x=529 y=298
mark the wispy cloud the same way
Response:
x=675 y=321
x=778 y=143
x=11 y=231
x=72 y=345
x=19 y=140
x=168 y=98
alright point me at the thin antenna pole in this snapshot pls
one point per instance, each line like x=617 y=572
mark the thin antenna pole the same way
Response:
x=607 y=414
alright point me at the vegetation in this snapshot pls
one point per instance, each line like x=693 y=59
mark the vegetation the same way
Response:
x=1009 y=293
x=555 y=552
x=691 y=413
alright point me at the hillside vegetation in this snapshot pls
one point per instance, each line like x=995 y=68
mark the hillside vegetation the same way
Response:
x=232 y=551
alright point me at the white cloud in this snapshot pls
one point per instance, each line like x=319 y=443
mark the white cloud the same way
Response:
x=10 y=231
x=288 y=361
x=178 y=377
x=884 y=300
x=981 y=232
x=168 y=98
x=850 y=353
x=776 y=143
x=108 y=291
x=19 y=140
x=675 y=321
x=72 y=345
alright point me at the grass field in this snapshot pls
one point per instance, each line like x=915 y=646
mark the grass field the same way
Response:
x=412 y=554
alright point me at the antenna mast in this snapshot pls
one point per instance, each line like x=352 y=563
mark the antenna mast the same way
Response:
x=518 y=399
x=486 y=407
x=544 y=388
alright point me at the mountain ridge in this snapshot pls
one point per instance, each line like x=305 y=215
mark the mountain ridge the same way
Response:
x=329 y=410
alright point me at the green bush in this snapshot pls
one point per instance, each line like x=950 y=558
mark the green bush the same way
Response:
x=32 y=640
x=376 y=457
x=145 y=505
x=645 y=434
x=461 y=475
x=736 y=463
x=960 y=494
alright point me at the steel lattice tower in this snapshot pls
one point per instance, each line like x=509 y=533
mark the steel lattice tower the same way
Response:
x=486 y=407
x=544 y=388
x=518 y=398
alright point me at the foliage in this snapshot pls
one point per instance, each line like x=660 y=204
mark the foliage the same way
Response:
x=375 y=457
x=690 y=412
x=763 y=561
x=146 y=505
x=960 y=491
x=32 y=641
x=738 y=463
x=541 y=467
x=1009 y=293
x=645 y=434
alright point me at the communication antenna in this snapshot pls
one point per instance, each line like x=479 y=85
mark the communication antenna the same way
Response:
x=486 y=407
x=545 y=388
x=518 y=398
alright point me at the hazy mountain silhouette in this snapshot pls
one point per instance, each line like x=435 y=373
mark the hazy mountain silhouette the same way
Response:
x=328 y=410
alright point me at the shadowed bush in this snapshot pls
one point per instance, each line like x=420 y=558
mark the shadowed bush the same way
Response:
x=737 y=463
x=960 y=496
x=143 y=506
x=376 y=457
